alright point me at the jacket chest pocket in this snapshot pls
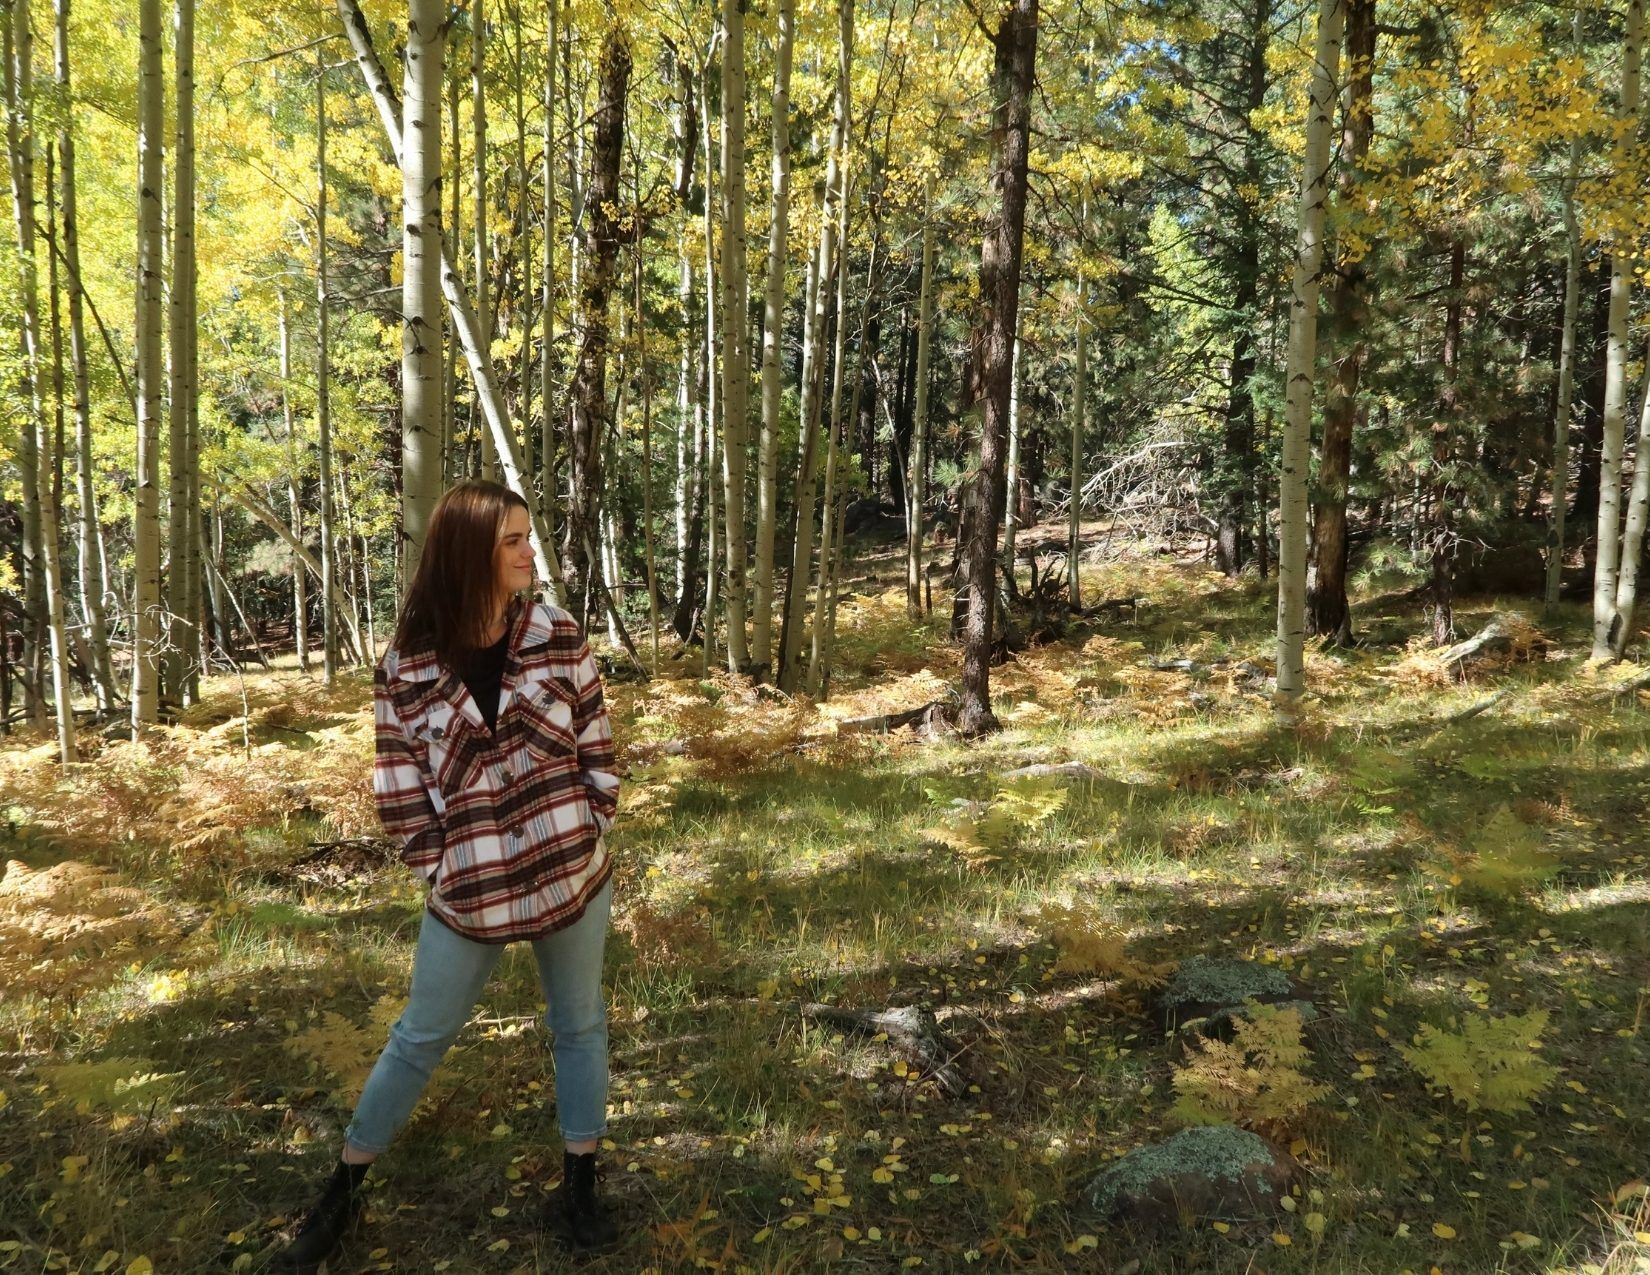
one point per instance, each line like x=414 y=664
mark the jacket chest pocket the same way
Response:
x=452 y=753
x=547 y=718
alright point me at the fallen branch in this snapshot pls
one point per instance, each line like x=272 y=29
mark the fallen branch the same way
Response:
x=1493 y=639
x=1482 y=706
x=911 y=1029
x=1053 y=769
x=1624 y=690
x=887 y=722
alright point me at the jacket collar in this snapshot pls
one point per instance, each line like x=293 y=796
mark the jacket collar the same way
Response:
x=527 y=626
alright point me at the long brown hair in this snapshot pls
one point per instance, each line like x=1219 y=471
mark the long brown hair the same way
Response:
x=456 y=587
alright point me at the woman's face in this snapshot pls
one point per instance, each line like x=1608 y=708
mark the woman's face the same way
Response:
x=513 y=555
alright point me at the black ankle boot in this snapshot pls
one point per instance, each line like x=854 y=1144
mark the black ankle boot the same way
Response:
x=588 y=1225
x=321 y=1232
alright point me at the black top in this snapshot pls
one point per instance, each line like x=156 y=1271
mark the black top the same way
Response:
x=484 y=675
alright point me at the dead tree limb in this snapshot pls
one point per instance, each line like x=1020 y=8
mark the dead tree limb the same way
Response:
x=911 y=1029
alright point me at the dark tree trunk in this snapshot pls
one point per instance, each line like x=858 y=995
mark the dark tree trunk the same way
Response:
x=1012 y=77
x=580 y=555
x=1235 y=480
x=904 y=412
x=865 y=429
x=1590 y=395
x=1327 y=613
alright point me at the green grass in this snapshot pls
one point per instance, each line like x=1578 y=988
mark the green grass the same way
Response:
x=745 y=890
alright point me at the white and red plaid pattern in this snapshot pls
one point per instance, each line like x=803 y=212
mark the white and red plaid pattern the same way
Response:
x=507 y=826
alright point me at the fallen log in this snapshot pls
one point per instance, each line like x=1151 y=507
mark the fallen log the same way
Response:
x=1495 y=638
x=911 y=1029
x=887 y=722
x=1052 y=770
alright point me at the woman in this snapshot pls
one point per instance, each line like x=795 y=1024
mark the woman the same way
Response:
x=495 y=771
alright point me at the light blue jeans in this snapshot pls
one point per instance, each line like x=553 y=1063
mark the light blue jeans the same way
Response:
x=449 y=972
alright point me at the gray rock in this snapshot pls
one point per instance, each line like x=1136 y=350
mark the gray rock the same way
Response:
x=1217 y=1172
x=1215 y=990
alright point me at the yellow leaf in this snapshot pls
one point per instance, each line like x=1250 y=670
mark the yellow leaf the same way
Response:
x=761 y=1237
x=1315 y=1222
x=1443 y=1231
x=140 y=1266
x=1281 y=1240
x=1643 y=1237
x=498 y=1246
x=850 y=1232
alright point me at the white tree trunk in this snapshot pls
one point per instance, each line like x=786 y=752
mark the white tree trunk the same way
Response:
x=183 y=646
x=478 y=182
x=1011 y=520
x=835 y=196
x=323 y=389
x=1632 y=532
x=735 y=331
x=463 y=316
x=1607 y=567
x=916 y=481
x=150 y=374
x=294 y=493
x=421 y=380
x=1566 y=364
x=1079 y=424
x=773 y=323
x=90 y=532
x=547 y=318
x=19 y=80
x=1303 y=346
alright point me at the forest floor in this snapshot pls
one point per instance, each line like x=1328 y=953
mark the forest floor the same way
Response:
x=181 y=1037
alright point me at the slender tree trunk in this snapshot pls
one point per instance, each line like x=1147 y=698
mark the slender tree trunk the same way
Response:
x=323 y=387
x=181 y=645
x=735 y=339
x=1238 y=468
x=649 y=555
x=708 y=477
x=1079 y=424
x=832 y=218
x=1011 y=513
x=478 y=192
x=1632 y=532
x=773 y=323
x=685 y=127
x=42 y=440
x=1299 y=374
x=1564 y=407
x=91 y=534
x=150 y=374
x=916 y=482
x=589 y=393
x=547 y=317
x=1012 y=81
x=1443 y=455
x=1328 y=612
x=455 y=455
x=294 y=491
x=1607 y=567
x=421 y=377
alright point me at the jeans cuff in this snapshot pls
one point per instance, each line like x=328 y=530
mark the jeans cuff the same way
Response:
x=583 y=1137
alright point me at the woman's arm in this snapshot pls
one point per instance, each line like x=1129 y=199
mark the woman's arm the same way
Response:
x=399 y=786
x=594 y=735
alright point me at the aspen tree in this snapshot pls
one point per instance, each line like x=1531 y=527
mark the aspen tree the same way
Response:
x=90 y=536
x=1607 y=567
x=295 y=504
x=1303 y=348
x=773 y=322
x=735 y=330
x=916 y=481
x=478 y=193
x=1564 y=406
x=835 y=196
x=19 y=81
x=150 y=375
x=547 y=300
x=421 y=379
x=183 y=644
x=323 y=388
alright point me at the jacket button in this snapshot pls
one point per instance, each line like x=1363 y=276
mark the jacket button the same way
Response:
x=437 y=733
x=506 y=776
x=515 y=833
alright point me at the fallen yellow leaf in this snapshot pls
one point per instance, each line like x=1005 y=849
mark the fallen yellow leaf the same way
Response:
x=1443 y=1231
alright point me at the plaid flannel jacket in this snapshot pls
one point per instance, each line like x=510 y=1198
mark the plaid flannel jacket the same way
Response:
x=506 y=827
